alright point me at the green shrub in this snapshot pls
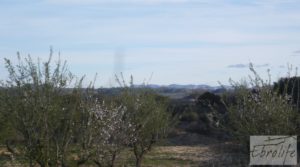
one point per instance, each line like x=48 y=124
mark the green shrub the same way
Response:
x=40 y=109
x=189 y=116
x=259 y=110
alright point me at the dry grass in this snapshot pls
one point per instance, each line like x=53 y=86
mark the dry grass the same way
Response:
x=187 y=153
x=221 y=154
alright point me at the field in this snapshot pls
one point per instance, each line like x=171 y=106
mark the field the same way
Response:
x=212 y=153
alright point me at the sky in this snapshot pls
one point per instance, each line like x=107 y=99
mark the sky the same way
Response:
x=160 y=41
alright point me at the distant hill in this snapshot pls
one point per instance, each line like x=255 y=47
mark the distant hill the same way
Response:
x=178 y=86
x=174 y=91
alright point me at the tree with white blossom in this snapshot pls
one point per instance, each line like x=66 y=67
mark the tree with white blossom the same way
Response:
x=149 y=119
x=104 y=131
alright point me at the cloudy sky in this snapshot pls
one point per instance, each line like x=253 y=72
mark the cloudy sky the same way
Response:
x=174 y=41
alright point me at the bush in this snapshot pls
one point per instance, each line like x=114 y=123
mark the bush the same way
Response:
x=259 y=110
x=39 y=110
x=289 y=87
x=189 y=116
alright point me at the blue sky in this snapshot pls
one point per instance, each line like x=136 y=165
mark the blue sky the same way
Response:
x=178 y=41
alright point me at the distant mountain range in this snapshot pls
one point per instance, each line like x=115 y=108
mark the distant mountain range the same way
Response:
x=187 y=87
x=177 y=91
x=174 y=91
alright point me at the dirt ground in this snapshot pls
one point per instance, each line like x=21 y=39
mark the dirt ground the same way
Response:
x=211 y=152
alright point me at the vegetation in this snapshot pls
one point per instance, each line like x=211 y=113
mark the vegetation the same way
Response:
x=103 y=131
x=147 y=116
x=40 y=114
x=148 y=119
x=50 y=118
x=258 y=109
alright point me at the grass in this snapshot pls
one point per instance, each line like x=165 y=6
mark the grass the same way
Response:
x=219 y=154
x=166 y=156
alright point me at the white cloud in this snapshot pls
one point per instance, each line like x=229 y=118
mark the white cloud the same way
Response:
x=202 y=39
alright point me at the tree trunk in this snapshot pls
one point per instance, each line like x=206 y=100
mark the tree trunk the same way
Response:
x=9 y=147
x=30 y=162
x=138 y=162
x=114 y=155
x=138 y=156
x=97 y=163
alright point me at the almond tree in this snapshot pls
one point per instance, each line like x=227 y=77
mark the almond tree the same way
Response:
x=40 y=108
x=103 y=131
x=112 y=134
x=148 y=117
x=258 y=109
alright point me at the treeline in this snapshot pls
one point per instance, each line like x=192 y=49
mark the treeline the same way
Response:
x=49 y=119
